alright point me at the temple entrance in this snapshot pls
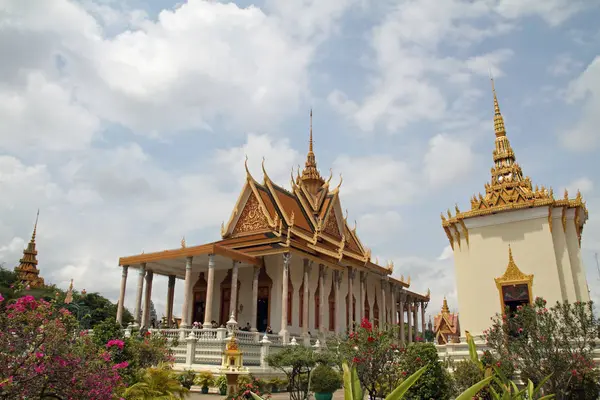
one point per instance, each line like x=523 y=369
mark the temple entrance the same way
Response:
x=199 y=291
x=263 y=306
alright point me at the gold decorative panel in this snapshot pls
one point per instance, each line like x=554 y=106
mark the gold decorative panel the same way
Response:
x=252 y=218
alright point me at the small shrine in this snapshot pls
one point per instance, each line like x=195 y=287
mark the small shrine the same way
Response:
x=232 y=356
x=446 y=326
x=27 y=271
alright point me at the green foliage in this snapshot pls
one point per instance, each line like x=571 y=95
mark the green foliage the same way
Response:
x=297 y=362
x=556 y=342
x=156 y=383
x=325 y=379
x=221 y=384
x=205 y=379
x=186 y=379
x=466 y=374
x=107 y=330
x=353 y=390
x=435 y=383
x=142 y=352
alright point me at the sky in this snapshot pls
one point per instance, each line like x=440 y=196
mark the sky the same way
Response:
x=126 y=123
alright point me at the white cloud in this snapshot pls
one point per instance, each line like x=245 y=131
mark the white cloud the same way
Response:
x=554 y=12
x=584 y=136
x=447 y=253
x=448 y=159
x=583 y=184
x=564 y=64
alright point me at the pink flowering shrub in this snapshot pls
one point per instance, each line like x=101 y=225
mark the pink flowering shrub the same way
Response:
x=42 y=357
x=557 y=341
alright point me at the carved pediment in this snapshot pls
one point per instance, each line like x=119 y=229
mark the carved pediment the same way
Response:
x=252 y=218
x=331 y=226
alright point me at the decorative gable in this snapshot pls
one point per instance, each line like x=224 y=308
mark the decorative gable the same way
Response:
x=331 y=226
x=251 y=219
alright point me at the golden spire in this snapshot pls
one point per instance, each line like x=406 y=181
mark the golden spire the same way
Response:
x=445 y=309
x=498 y=120
x=27 y=270
x=310 y=175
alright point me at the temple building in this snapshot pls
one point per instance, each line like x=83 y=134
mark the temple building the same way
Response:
x=446 y=326
x=27 y=271
x=304 y=271
x=525 y=225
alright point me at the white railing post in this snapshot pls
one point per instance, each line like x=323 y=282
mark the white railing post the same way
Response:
x=221 y=333
x=190 y=353
x=264 y=351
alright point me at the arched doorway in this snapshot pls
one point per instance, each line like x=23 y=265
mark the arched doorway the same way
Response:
x=367 y=310
x=199 y=291
x=331 y=300
x=226 y=299
x=263 y=309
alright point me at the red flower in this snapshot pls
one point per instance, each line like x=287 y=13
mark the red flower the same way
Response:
x=366 y=324
x=356 y=360
x=370 y=339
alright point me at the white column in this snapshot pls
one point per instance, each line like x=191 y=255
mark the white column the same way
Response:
x=363 y=295
x=187 y=294
x=147 y=299
x=305 y=302
x=234 y=289
x=401 y=314
x=170 y=297
x=408 y=319
x=210 y=284
x=254 y=299
x=338 y=283
x=322 y=277
x=423 y=305
x=351 y=309
x=415 y=317
x=138 y=299
x=394 y=320
x=284 y=296
x=120 y=305
x=383 y=310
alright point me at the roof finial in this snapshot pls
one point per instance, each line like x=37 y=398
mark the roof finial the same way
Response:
x=35 y=226
x=510 y=256
x=498 y=120
x=445 y=309
x=310 y=142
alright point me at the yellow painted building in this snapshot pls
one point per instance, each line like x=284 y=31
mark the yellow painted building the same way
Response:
x=542 y=234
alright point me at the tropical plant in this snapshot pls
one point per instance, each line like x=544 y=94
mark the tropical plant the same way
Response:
x=156 y=383
x=221 y=384
x=325 y=379
x=187 y=379
x=557 y=342
x=205 y=379
x=503 y=387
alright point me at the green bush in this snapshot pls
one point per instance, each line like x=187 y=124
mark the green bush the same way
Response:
x=187 y=379
x=107 y=330
x=221 y=384
x=205 y=379
x=324 y=379
x=436 y=383
x=466 y=374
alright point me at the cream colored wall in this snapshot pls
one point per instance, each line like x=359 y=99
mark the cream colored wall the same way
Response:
x=562 y=257
x=578 y=271
x=486 y=258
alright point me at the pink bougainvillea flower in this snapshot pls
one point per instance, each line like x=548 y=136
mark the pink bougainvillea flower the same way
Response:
x=115 y=342
x=1 y=298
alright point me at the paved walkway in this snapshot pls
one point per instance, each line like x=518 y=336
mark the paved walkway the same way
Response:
x=339 y=395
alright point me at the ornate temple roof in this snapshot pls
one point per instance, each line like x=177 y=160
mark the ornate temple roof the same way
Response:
x=27 y=270
x=269 y=219
x=446 y=324
x=509 y=189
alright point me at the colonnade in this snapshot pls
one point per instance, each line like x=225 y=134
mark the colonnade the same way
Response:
x=397 y=305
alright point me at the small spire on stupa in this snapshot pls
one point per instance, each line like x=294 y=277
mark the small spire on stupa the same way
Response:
x=498 y=119
x=445 y=309
x=310 y=174
x=27 y=270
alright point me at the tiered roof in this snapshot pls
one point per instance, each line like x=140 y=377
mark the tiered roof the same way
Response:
x=27 y=270
x=509 y=189
x=446 y=325
x=268 y=219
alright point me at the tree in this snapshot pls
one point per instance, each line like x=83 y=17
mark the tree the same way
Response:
x=297 y=362
x=556 y=342
x=376 y=358
x=41 y=357
x=436 y=381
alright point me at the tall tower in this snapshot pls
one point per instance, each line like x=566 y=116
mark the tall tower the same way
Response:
x=513 y=224
x=27 y=270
